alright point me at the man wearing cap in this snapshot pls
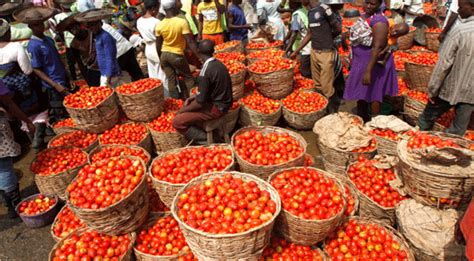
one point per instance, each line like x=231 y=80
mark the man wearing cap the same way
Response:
x=45 y=59
x=172 y=37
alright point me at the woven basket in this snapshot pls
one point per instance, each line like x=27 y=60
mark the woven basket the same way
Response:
x=336 y=161
x=230 y=119
x=86 y=149
x=126 y=257
x=275 y=85
x=432 y=187
x=432 y=41
x=56 y=238
x=124 y=216
x=62 y=130
x=238 y=84
x=405 y=42
x=412 y=110
x=101 y=147
x=165 y=141
x=303 y=121
x=248 y=245
x=239 y=48
x=167 y=190
x=303 y=231
x=145 y=143
x=140 y=256
x=386 y=146
x=263 y=171
x=249 y=117
x=56 y=184
x=370 y=209
x=418 y=75
x=143 y=106
x=97 y=119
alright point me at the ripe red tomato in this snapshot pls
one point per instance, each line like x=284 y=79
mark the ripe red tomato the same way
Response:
x=260 y=103
x=172 y=105
x=127 y=134
x=64 y=123
x=233 y=66
x=226 y=45
x=87 y=97
x=37 y=205
x=300 y=82
x=231 y=56
x=260 y=45
x=79 y=139
x=66 y=222
x=115 y=151
x=163 y=122
x=280 y=249
x=263 y=54
x=139 y=86
x=423 y=140
x=272 y=64
x=57 y=160
x=385 y=133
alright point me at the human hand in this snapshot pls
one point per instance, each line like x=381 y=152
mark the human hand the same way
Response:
x=366 y=79
x=293 y=55
x=442 y=36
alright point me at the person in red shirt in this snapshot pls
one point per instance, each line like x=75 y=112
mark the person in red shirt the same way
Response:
x=467 y=229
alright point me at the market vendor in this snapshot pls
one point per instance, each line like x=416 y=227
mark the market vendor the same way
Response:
x=19 y=32
x=213 y=99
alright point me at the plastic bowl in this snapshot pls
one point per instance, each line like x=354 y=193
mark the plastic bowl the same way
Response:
x=41 y=219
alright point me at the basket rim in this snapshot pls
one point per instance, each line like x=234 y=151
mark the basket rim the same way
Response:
x=59 y=173
x=244 y=106
x=238 y=42
x=177 y=150
x=140 y=93
x=263 y=48
x=293 y=64
x=324 y=173
x=300 y=139
x=57 y=238
x=97 y=105
x=99 y=148
x=237 y=174
x=90 y=210
x=147 y=133
x=57 y=136
x=417 y=64
x=34 y=196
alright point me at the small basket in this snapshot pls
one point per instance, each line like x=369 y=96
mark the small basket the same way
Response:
x=167 y=190
x=430 y=186
x=238 y=84
x=249 y=117
x=275 y=85
x=86 y=149
x=145 y=143
x=303 y=231
x=432 y=42
x=418 y=75
x=303 y=121
x=101 y=147
x=248 y=245
x=56 y=238
x=239 y=48
x=97 y=119
x=42 y=219
x=263 y=171
x=124 y=216
x=405 y=42
x=144 y=106
x=412 y=109
x=56 y=184
x=126 y=257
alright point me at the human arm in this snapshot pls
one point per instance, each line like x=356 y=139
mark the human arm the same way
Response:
x=58 y=87
x=76 y=55
x=191 y=44
x=159 y=45
x=107 y=50
x=200 y=26
x=23 y=61
x=406 y=8
x=333 y=21
x=303 y=43
x=197 y=102
x=232 y=26
x=379 y=32
x=293 y=33
x=451 y=20
x=7 y=101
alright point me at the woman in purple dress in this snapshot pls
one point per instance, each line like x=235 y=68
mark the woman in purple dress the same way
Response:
x=372 y=74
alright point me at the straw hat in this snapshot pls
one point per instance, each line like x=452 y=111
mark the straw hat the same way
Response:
x=34 y=14
x=94 y=15
x=67 y=23
x=9 y=7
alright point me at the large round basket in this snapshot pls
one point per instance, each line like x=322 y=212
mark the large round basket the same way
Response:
x=102 y=147
x=418 y=75
x=238 y=84
x=230 y=119
x=386 y=146
x=140 y=256
x=263 y=171
x=126 y=257
x=432 y=41
x=144 y=106
x=304 y=231
x=405 y=42
x=86 y=149
x=125 y=216
x=56 y=238
x=303 y=121
x=145 y=143
x=238 y=47
x=395 y=234
x=275 y=85
x=412 y=109
x=168 y=190
x=165 y=141
x=370 y=209
x=97 y=119
x=431 y=187
x=336 y=161
x=249 y=117
x=251 y=60
x=56 y=184
x=248 y=245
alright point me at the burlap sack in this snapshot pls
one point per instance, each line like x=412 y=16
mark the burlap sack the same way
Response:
x=429 y=231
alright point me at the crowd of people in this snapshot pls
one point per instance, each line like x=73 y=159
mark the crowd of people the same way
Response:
x=46 y=45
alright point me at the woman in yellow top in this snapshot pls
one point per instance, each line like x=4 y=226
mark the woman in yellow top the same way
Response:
x=210 y=23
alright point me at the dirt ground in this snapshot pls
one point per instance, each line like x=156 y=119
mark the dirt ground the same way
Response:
x=18 y=242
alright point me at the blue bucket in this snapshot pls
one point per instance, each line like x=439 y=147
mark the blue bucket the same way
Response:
x=41 y=219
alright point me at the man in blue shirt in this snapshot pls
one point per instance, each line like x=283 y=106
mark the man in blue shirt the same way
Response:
x=237 y=23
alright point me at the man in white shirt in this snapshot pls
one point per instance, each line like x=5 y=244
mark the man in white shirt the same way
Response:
x=126 y=57
x=413 y=9
x=452 y=18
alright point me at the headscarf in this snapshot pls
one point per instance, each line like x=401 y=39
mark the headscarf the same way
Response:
x=4 y=27
x=168 y=4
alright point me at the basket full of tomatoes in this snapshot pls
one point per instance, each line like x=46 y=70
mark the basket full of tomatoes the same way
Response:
x=85 y=243
x=111 y=196
x=130 y=133
x=237 y=71
x=406 y=41
x=55 y=168
x=116 y=150
x=307 y=219
x=273 y=76
x=93 y=109
x=418 y=68
x=239 y=227
x=64 y=224
x=165 y=136
x=432 y=38
x=303 y=108
x=258 y=110
x=38 y=210
x=173 y=169
x=264 y=54
x=66 y=125
x=431 y=174
x=265 y=149
x=77 y=138
x=141 y=100
x=230 y=46
x=254 y=46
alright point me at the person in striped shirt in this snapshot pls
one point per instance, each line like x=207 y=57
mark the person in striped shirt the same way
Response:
x=452 y=81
